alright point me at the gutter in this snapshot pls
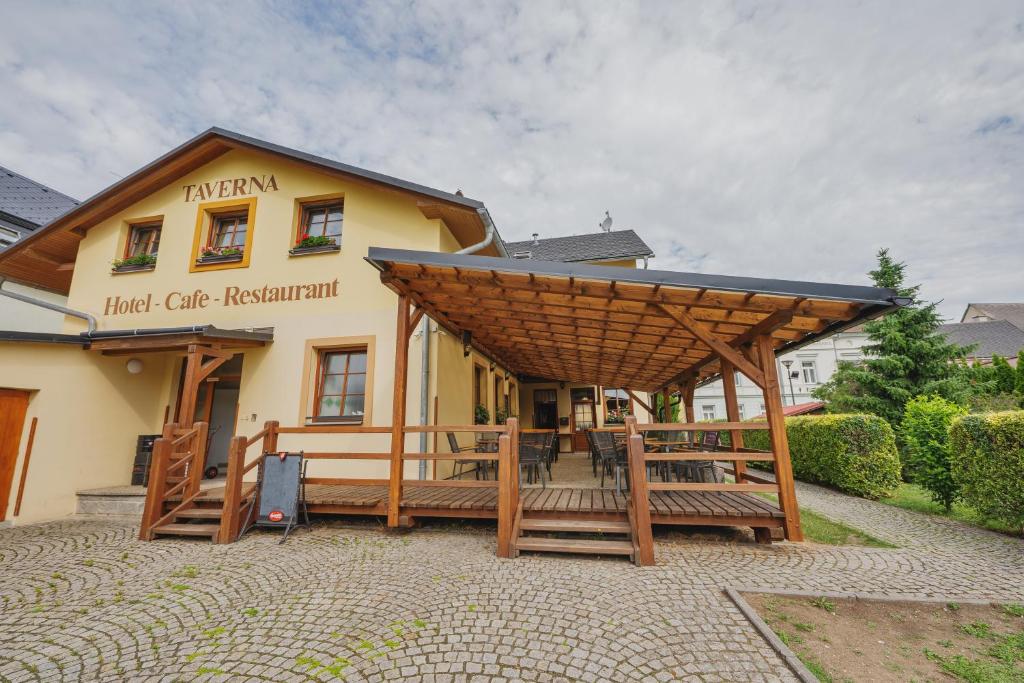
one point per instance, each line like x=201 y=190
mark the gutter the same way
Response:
x=82 y=315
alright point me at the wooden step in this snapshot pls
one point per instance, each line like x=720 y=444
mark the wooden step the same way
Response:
x=587 y=526
x=201 y=513
x=210 y=530
x=574 y=545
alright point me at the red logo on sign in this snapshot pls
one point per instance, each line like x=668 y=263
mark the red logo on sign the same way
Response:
x=275 y=516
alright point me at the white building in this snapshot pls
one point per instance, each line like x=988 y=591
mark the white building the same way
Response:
x=809 y=367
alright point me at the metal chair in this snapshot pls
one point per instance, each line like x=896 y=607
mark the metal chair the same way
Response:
x=454 y=447
x=613 y=459
x=533 y=455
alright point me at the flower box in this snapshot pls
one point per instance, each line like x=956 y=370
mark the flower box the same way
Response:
x=322 y=249
x=133 y=268
x=218 y=258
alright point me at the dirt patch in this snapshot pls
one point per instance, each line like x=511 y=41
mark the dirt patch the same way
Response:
x=859 y=640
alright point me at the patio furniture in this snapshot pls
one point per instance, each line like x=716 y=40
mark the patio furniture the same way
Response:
x=613 y=458
x=706 y=471
x=534 y=449
x=454 y=447
x=487 y=442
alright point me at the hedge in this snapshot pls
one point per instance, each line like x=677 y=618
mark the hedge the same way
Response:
x=987 y=462
x=853 y=453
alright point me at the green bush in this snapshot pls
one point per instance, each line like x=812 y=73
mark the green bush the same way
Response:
x=925 y=432
x=853 y=453
x=988 y=464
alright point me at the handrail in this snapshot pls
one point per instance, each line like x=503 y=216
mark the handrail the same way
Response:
x=257 y=436
x=650 y=456
x=428 y=429
x=701 y=426
x=164 y=464
x=186 y=436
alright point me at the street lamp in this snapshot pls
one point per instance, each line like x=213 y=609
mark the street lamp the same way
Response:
x=792 y=396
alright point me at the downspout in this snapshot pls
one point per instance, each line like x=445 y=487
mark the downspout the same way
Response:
x=489 y=235
x=87 y=317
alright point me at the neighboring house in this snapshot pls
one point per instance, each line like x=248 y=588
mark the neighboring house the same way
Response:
x=992 y=329
x=25 y=205
x=574 y=408
x=809 y=367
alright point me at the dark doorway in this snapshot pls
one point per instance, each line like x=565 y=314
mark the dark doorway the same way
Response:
x=545 y=409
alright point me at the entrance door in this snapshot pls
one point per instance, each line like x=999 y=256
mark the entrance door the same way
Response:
x=217 y=405
x=13 y=406
x=583 y=417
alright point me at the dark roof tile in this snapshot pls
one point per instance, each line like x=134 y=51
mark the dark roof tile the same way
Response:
x=993 y=338
x=597 y=246
x=34 y=203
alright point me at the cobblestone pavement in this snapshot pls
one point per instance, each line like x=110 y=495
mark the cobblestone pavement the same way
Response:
x=83 y=600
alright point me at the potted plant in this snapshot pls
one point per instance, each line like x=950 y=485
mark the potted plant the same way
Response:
x=502 y=415
x=219 y=255
x=135 y=263
x=307 y=244
x=481 y=415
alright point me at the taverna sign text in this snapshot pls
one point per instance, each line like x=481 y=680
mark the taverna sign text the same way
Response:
x=228 y=297
x=230 y=187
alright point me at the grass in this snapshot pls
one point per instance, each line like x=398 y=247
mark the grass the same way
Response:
x=916 y=498
x=823 y=530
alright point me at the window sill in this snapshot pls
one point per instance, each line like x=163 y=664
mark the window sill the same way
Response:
x=213 y=260
x=306 y=251
x=315 y=421
x=120 y=270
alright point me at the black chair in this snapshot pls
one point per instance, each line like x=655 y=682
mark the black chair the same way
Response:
x=706 y=471
x=613 y=459
x=595 y=455
x=487 y=442
x=454 y=447
x=534 y=448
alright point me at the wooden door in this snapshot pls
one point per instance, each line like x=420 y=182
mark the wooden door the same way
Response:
x=13 y=406
x=583 y=418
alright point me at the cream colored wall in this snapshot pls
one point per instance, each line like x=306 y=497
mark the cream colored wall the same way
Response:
x=565 y=406
x=90 y=412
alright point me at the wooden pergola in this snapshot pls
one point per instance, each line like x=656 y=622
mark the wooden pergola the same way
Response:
x=638 y=330
x=655 y=331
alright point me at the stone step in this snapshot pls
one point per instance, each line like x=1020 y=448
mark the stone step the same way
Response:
x=574 y=545
x=591 y=526
x=111 y=505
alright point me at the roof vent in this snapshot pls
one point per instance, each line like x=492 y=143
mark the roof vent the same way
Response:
x=523 y=254
x=535 y=236
x=606 y=224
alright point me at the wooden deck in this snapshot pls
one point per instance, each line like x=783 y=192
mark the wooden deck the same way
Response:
x=667 y=507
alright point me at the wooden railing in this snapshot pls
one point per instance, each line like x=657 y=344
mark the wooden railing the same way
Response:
x=176 y=469
x=240 y=495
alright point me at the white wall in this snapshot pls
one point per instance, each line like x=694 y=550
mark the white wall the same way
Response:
x=21 y=317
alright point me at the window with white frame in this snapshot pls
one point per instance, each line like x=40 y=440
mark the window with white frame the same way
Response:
x=761 y=408
x=809 y=368
x=738 y=378
x=707 y=411
x=742 y=412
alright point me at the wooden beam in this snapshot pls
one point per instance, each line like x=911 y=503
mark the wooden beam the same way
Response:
x=417 y=315
x=779 y=440
x=732 y=412
x=636 y=399
x=721 y=348
x=398 y=411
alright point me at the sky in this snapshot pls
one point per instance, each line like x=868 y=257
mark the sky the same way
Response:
x=770 y=139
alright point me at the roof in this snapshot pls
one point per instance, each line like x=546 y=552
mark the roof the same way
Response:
x=992 y=338
x=617 y=327
x=149 y=339
x=799 y=409
x=33 y=202
x=1007 y=311
x=40 y=259
x=598 y=246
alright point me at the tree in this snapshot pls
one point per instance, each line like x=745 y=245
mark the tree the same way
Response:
x=925 y=431
x=1003 y=374
x=1019 y=382
x=906 y=357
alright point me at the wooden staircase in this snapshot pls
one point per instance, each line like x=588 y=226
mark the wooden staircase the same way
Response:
x=575 y=533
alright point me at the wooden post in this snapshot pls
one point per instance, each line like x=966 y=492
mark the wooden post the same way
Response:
x=732 y=412
x=198 y=449
x=779 y=440
x=506 y=496
x=190 y=388
x=666 y=409
x=686 y=397
x=643 y=536
x=232 y=491
x=24 y=465
x=157 y=484
x=513 y=442
x=270 y=438
x=398 y=411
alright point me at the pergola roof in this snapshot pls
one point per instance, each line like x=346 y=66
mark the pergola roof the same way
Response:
x=619 y=327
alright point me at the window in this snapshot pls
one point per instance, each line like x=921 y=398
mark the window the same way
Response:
x=321 y=220
x=810 y=371
x=707 y=411
x=738 y=378
x=224 y=234
x=228 y=230
x=742 y=412
x=7 y=238
x=341 y=385
x=143 y=240
x=616 y=406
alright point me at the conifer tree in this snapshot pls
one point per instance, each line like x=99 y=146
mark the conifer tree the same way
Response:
x=906 y=356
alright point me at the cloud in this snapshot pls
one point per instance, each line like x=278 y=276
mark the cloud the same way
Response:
x=768 y=139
